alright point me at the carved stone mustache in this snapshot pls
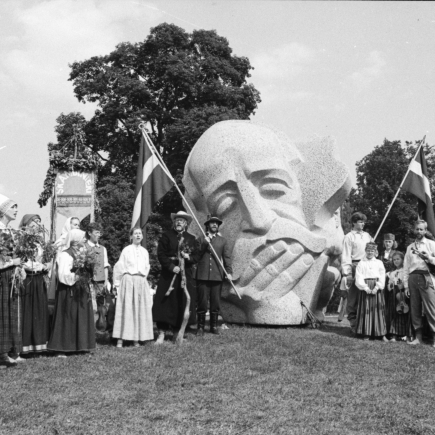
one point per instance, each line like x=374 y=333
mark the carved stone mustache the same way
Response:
x=283 y=229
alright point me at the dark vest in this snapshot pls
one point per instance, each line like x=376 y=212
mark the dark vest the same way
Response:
x=99 y=274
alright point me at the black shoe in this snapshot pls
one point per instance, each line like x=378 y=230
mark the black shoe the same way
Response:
x=214 y=323
x=201 y=324
x=8 y=362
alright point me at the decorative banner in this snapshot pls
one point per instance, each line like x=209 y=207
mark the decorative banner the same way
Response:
x=74 y=195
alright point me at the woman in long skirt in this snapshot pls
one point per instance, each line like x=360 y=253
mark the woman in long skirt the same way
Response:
x=34 y=300
x=133 y=316
x=401 y=325
x=10 y=310
x=73 y=323
x=370 y=280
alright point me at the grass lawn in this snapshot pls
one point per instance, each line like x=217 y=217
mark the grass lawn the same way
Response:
x=246 y=381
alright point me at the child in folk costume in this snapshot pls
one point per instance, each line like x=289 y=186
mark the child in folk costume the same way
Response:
x=401 y=321
x=387 y=258
x=34 y=300
x=133 y=315
x=370 y=280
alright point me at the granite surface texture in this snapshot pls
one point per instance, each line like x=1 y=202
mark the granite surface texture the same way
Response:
x=279 y=201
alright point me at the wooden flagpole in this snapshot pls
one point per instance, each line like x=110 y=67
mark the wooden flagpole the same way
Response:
x=153 y=148
x=400 y=187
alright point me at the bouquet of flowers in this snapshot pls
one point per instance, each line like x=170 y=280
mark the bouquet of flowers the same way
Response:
x=185 y=248
x=27 y=243
x=83 y=266
x=6 y=246
x=50 y=251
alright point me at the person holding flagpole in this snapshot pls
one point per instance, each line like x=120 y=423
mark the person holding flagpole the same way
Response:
x=209 y=274
x=170 y=300
x=419 y=280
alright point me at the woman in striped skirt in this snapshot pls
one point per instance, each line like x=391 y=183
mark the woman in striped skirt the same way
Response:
x=370 y=280
x=401 y=325
x=34 y=301
x=10 y=310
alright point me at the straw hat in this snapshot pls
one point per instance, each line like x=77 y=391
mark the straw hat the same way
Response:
x=183 y=215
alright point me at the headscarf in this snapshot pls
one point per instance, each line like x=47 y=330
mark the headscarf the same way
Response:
x=27 y=219
x=67 y=227
x=74 y=236
x=5 y=204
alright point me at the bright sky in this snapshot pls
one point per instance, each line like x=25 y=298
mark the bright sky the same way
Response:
x=358 y=71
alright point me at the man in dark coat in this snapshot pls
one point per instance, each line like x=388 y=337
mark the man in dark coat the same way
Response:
x=210 y=274
x=168 y=311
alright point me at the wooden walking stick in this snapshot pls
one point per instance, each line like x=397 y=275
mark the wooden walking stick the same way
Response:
x=179 y=337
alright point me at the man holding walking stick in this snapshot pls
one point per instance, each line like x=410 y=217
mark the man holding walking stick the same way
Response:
x=170 y=299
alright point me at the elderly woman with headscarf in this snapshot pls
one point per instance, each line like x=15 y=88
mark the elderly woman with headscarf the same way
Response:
x=34 y=301
x=73 y=328
x=10 y=336
x=72 y=223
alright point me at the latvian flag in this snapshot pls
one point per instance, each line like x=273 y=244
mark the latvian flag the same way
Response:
x=153 y=181
x=417 y=183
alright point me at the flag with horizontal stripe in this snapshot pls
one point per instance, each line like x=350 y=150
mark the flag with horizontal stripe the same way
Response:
x=153 y=181
x=417 y=183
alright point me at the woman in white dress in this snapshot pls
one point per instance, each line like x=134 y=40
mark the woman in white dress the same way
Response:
x=133 y=316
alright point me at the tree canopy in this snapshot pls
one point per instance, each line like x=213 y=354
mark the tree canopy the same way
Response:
x=176 y=82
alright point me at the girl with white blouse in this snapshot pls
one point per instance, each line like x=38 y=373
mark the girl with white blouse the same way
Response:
x=133 y=316
x=370 y=280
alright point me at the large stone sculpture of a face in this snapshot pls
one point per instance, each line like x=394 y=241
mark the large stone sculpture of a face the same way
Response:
x=278 y=202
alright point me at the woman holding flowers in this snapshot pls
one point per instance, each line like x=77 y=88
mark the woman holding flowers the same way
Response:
x=34 y=301
x=133 y=316
x=370 y=280
x=71 y=223
x=73 y=328
x=10 y=337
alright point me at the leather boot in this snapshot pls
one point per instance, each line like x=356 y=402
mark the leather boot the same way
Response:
x=214 y=323
x=201 y=324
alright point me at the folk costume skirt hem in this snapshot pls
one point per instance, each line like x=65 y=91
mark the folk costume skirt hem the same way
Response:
x=401 y=323
x=390 y=306
x=10 y=314
x=73 y=327
x=133 y=315
x=35 y=323
x=370 y=319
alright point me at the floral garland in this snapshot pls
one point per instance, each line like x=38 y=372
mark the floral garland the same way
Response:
x=59 y=161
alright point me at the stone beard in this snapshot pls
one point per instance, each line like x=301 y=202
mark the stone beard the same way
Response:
x=278 y=201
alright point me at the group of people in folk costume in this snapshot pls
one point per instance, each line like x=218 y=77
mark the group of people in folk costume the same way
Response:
x=24 y=315
x=388 y=297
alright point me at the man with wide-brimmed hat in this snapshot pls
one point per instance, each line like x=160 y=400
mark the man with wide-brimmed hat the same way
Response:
x=168 y=310
x=354 y=245
x=210 y=275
